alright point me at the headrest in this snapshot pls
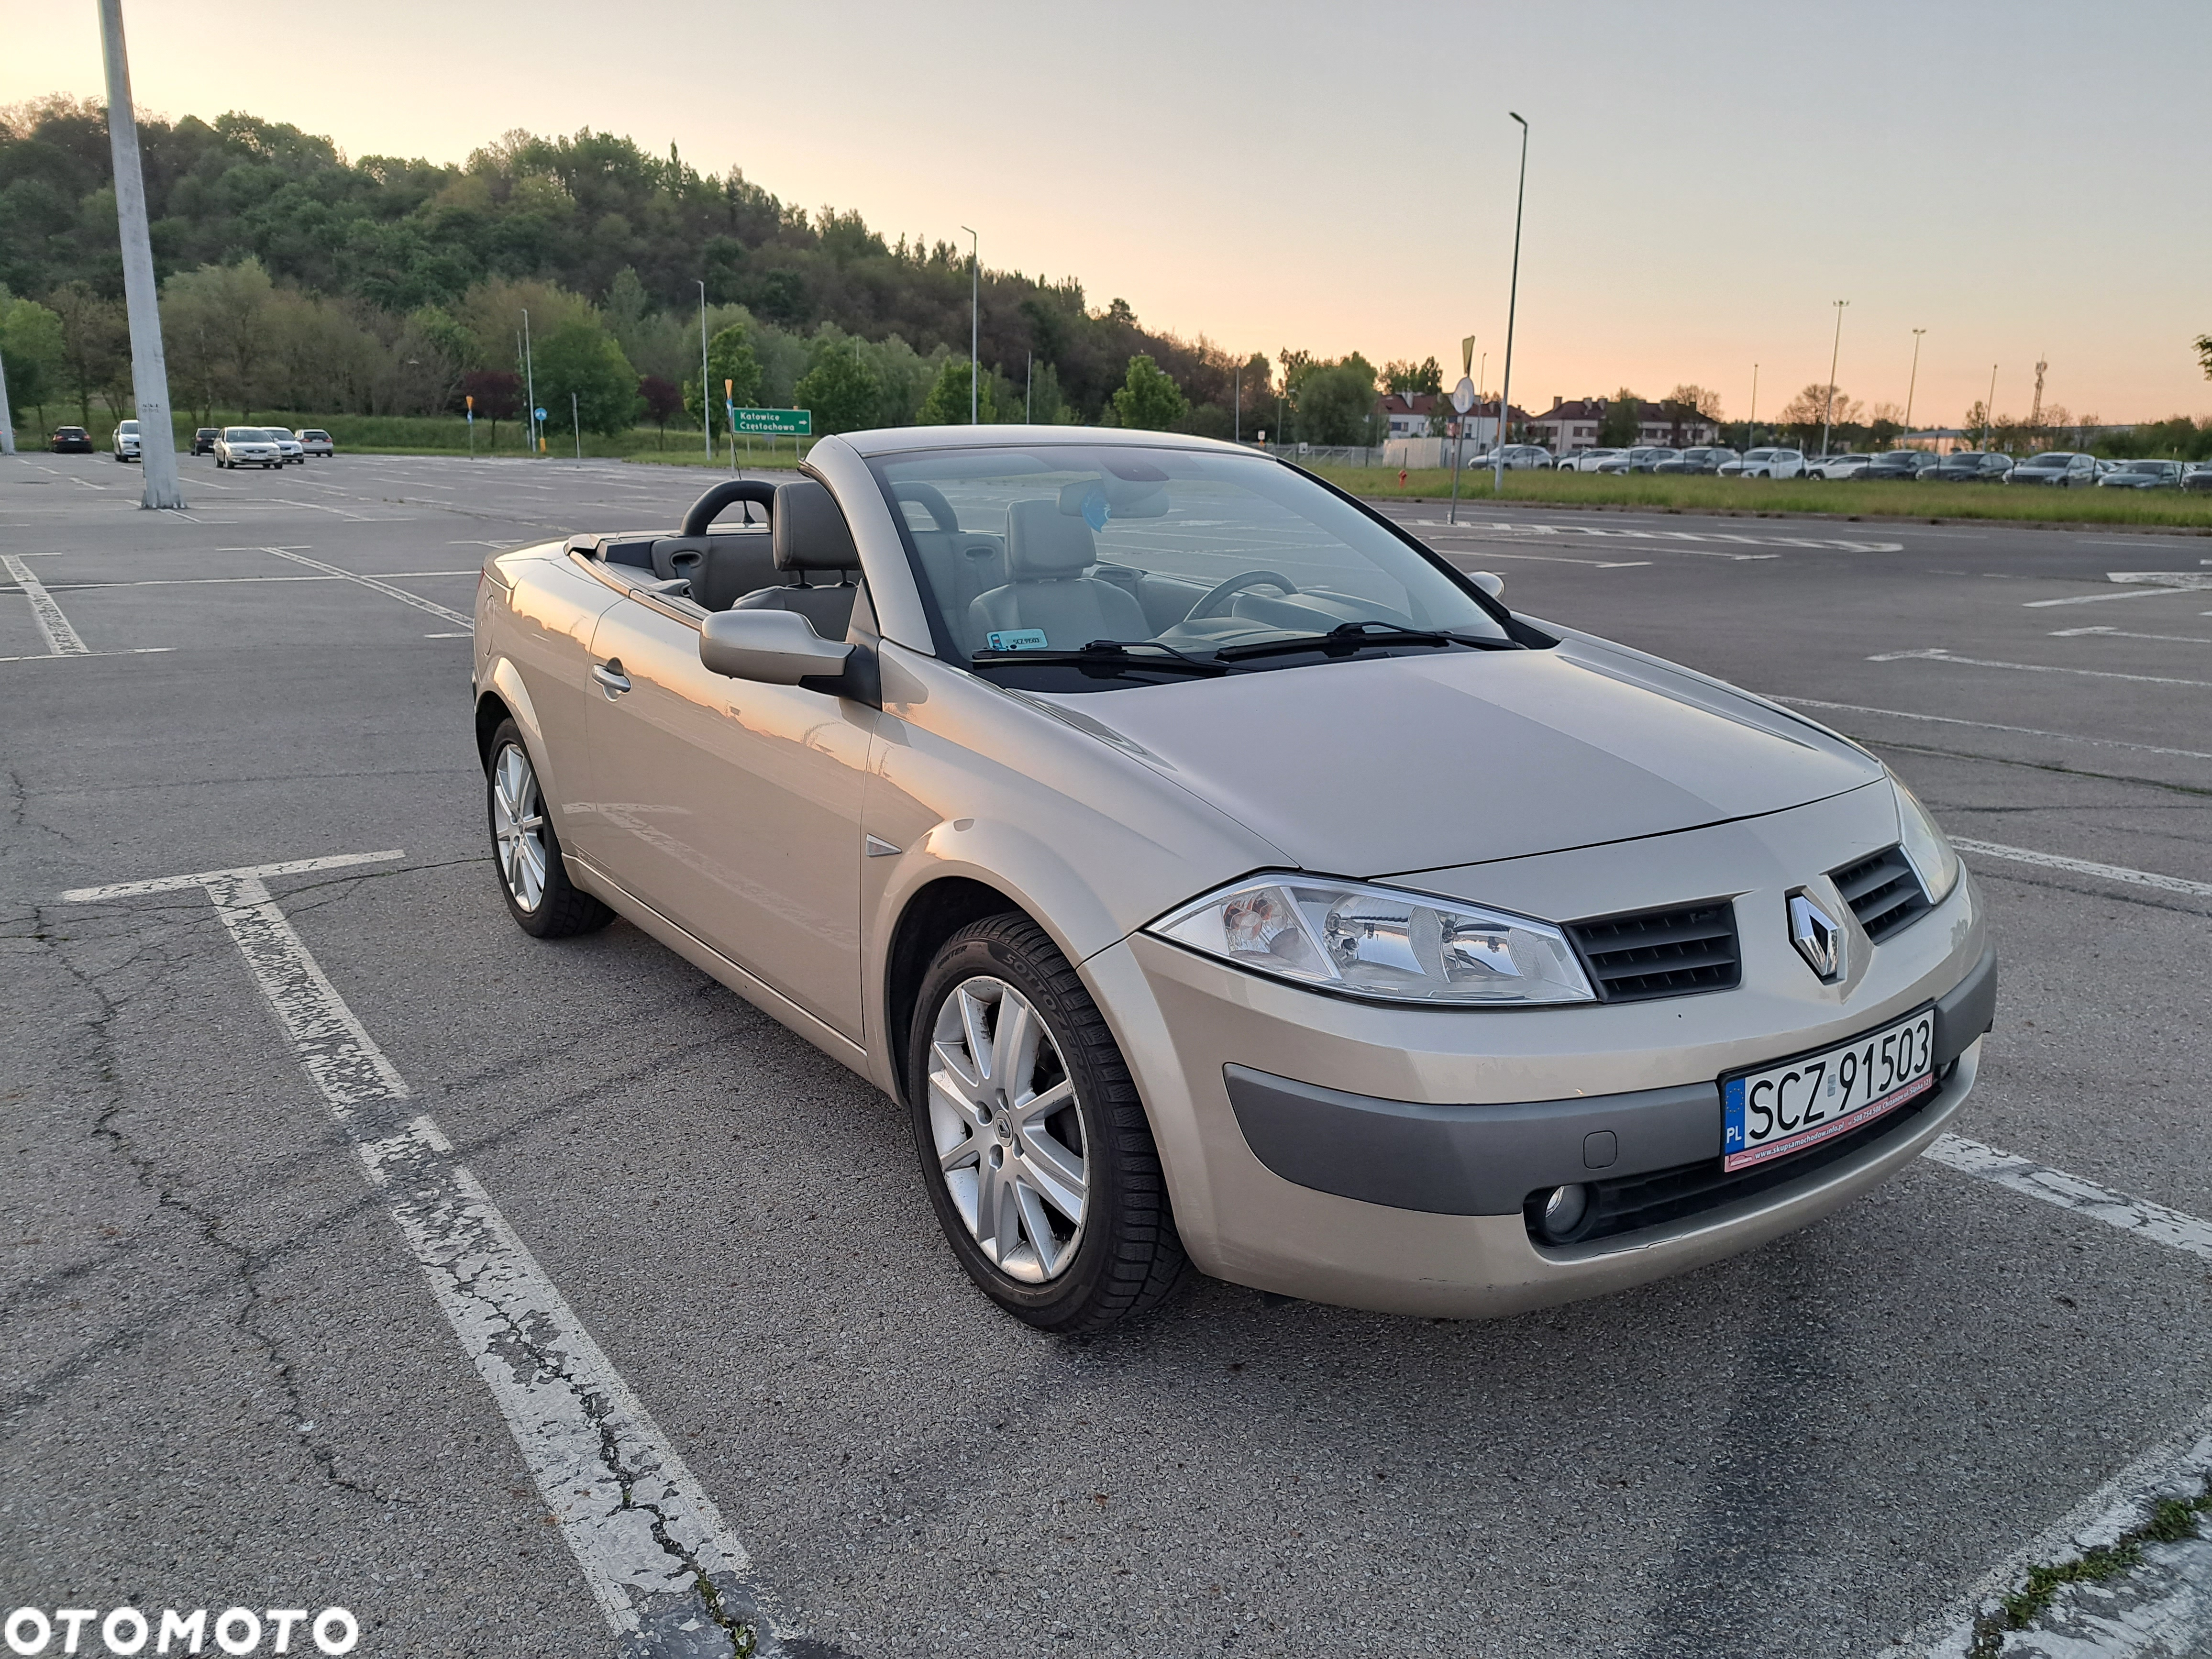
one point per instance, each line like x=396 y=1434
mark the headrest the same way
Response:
x=809 y=531
x=1043 y=541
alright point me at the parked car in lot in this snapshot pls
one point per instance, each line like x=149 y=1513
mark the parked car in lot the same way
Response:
x=2143 y=475
x=1836 y=468
x=980 y=771
x=2059 y=468
x=1641 y=459
x=70 y=441
x=293 y=451
x=2198 y=479
x=1707 y=458
x=1970 y=466
x=125 y=440
x=1766 y=463
x=1585 y=461
x=313 y=441
x=1897 y=466
x=203 y=440
x=1519 y=458
x=247 y=446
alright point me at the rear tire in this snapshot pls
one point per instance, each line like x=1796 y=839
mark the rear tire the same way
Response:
x=1038 y=1160
x=532 y=878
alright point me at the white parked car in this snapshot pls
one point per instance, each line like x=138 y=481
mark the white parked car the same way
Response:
x=126 y=440
x=1584 y=460
x=288 y=446
x=1518 y=458
x=313 y=441
x=1836 y=467
x=1642 y=458
x=248 y=446
x=1766 y=463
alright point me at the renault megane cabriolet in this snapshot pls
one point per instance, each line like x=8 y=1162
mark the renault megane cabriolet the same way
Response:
x=1222 y=877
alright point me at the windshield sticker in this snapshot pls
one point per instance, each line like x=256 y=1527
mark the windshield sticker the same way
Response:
x=1017 y=638
x=1095 y=510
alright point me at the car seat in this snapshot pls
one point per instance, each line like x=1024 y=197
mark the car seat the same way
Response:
x=1048 y=554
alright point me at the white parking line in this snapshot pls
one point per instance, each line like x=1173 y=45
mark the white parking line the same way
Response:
x=2122 y=634
x=2139 y=1216
x=385 y=588
x=136 y=651
x=1989 y=726
x=209 y=581
x=666 y=1572
x=2101 y=598
x=2119 y=872
x=1938 y=654
x=62 y=639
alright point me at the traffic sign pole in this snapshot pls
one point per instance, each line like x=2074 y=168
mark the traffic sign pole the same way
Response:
x=1462 y=399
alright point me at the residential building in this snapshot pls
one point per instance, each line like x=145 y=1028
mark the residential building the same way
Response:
x=1567 y=427
x=1408 y=413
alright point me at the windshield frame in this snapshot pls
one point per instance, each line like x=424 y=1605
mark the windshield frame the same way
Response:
x=946 y=649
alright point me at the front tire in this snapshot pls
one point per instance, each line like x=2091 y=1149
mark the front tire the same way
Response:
x=532 y=879
x=1034 y=1147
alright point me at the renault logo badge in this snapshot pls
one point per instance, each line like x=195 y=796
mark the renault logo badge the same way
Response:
x=1818 y=937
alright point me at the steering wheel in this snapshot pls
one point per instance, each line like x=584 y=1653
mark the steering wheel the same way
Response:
x=1212 y=604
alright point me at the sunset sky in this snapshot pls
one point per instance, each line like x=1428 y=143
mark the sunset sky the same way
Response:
x=2021 y=180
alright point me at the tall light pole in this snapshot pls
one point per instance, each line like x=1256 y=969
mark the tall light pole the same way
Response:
x=1236 y=404
x=1989 y=408
x=1751 y=421
x=1512 y=301
x=975 y=319
x=1828 y=402
x=705 y=397
x=1913 y=385
x=529 y=380
x=8 y=421
x=150 y=370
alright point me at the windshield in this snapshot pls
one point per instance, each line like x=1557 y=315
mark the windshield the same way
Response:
x=241 y=435
x=1049 y=548
x=2056 y=458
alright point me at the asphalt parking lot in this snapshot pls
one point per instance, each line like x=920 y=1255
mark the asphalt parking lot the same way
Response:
x=227 y=1382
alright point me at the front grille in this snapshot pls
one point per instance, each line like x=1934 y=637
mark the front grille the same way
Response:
x=1661 y=953
x=1631 y=1203
x=1883 y=892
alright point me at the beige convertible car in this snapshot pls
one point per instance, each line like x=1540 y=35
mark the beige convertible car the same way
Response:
x=1223 y=878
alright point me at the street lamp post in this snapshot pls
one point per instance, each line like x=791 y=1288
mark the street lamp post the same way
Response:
x=1828 y=402
x=529 y=382
x=706 y=397
x=1913 y=385
x=1512 y=301
x=1751 y=421
x=150 y=370
x=1989 y=408
x=975 y=319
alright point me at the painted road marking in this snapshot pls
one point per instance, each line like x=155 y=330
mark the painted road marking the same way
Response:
x=2101 y=598
x=1542 y=558
x=666 y=1573
x=385 y=588
x=2122 y=634
x=2118 y=873
x=62 y=639
x=137 y=651
x=209 y=581
x=1515 y=528
x=1938 y=654
x=1989 y=726
x=2139 y=1216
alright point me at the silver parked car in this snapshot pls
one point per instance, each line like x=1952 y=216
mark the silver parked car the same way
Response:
x=248 y=446
x=1584 y=460
x=125 y=440
x=1218 y=874
x=313 y=441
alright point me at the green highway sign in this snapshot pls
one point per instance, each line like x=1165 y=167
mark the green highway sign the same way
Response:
x=775 y=423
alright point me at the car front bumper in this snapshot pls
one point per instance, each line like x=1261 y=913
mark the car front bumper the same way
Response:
x=1379 y=1157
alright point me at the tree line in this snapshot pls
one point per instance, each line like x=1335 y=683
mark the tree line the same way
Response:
x=295 y=279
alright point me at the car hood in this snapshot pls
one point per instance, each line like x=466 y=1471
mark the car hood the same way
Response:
x=1382 y=765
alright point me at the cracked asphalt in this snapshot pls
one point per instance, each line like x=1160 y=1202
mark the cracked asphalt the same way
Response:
x=223 y=1379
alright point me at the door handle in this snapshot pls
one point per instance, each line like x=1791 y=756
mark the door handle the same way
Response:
x=611 y=679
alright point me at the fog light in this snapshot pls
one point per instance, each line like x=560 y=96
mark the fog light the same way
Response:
x=1562 y=1211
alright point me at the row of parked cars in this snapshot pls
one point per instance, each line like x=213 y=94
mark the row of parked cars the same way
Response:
x=231 y=446
x=2058 y=468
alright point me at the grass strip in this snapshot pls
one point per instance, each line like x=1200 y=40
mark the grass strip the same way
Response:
x=1772 y=498
x=2171 y=1520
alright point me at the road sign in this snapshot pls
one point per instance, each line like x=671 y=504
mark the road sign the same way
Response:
x=775 y=423
x=541 y=414
x=1463 y=395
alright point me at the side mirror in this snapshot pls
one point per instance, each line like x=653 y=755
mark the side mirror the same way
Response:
x=774 y=648
x=1489 y=581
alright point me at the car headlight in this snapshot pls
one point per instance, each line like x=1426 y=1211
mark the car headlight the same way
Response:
x=1932 y=856
x=1378 y=942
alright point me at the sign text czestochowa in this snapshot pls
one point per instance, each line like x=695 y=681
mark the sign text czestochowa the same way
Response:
x=775 y=423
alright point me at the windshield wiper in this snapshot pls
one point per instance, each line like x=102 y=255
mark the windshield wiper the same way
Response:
x=1347 y=637
x=1113 y=655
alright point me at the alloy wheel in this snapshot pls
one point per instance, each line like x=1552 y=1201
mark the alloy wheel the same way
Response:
x=518 y=817
x=1008 y=1130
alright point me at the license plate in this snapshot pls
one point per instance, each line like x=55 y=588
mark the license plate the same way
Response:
x=1800 y=1103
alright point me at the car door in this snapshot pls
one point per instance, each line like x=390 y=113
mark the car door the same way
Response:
x=730 y=807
